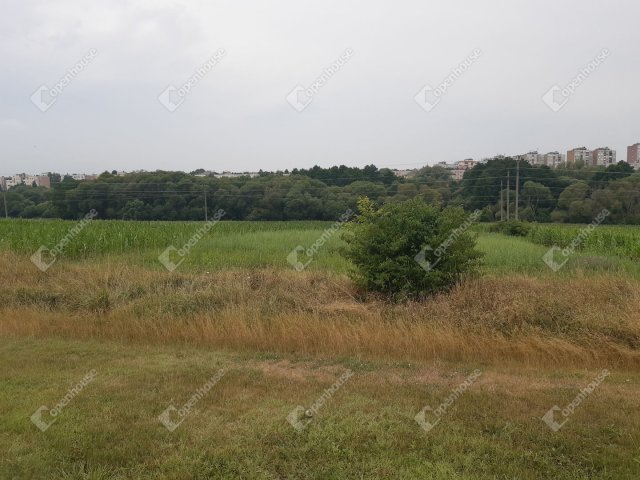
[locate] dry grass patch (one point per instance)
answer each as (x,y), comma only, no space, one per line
(591,320)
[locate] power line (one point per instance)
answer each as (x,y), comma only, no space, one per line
(294,195)
(206,218)
(501,204)
(508,190)
(517,187)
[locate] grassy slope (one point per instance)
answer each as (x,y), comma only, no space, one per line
(238,430)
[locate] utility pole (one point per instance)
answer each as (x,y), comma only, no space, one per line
(501,203)
(6,212)
(206,217)
(517,187)
(508,186)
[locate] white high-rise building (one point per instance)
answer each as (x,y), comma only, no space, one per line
(553,159)
(29,180)
(533,157)
(603,157)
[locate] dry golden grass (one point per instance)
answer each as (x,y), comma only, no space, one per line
(584,321)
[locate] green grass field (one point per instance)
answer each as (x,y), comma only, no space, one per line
(239,429)
(226,245)
(283,337)
(619,240)
(231,245)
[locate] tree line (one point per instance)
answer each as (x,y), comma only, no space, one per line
(544,194)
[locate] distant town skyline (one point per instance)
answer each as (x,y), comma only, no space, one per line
(537,157)
(598,157)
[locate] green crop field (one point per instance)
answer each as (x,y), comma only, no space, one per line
(243,244)
(225,245)
(619,240)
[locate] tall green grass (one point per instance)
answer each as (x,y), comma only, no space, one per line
(228,244)
(234,244)
(620,240)
(609,239)
(504,255)
(113,236)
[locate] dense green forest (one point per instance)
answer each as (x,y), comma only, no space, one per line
(558,195)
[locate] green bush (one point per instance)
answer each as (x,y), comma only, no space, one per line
(513,228)
(410,249)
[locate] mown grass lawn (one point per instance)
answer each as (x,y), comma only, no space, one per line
(365,430)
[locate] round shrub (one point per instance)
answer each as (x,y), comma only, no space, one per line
(410,249)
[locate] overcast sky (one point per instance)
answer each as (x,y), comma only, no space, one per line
(371,109)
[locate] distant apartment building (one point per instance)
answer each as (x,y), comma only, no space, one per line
(462,166)
(533,157)
(24,179)
(633,155)
(37,180)
(227,174)
(603,157)
(553,159)
(18,179)
(448,166)
(13,181)
(403,173)
(43,181)
(84,176)
(457,168)
(581,154)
